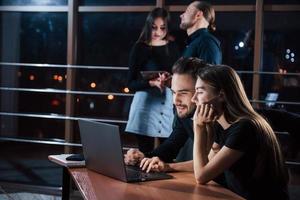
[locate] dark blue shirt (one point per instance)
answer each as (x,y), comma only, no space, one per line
(201,44)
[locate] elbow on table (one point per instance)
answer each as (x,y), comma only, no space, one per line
(201,179)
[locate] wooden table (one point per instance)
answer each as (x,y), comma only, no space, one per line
(94,186)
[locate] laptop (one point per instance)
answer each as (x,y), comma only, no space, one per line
(102,149)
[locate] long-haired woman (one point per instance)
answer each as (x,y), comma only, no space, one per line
(232,140)
(151,112)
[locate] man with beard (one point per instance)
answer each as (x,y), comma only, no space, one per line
(198,19)
(183,83)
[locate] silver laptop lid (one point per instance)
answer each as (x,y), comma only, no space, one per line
(102,148)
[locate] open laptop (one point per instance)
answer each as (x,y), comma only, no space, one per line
(102,149)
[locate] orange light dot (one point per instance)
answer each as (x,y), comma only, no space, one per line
(55,77)
(60,78)
(93,85)
(110,97)
(55,102)
(126,90)
(31,77)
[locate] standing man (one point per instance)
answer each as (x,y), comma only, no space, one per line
(198,19)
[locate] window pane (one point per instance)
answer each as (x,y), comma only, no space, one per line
(34,38)
(213,2)
(32,128)
(32,77)
(281,1)
(33,2)
(281,54)
(101,80)
(116,2)
(106,38)
(110,107)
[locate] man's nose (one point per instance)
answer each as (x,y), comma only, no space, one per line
(176,99)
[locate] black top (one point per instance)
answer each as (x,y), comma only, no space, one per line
(182,130)
(203,45)
(149,58)
(243,136)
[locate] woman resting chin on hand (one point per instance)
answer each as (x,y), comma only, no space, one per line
(231,139)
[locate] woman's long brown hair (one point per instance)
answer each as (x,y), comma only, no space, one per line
(236,107)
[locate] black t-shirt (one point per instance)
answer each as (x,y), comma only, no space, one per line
(243,136)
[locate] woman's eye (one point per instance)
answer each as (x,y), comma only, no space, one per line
(163,28)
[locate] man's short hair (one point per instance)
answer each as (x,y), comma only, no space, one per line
(189,66)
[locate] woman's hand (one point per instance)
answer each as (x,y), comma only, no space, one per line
(161,82)
(157,83)
(204,115)
(166,77)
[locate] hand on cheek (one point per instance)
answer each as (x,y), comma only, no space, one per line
(204,114)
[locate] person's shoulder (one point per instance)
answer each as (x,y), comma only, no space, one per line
(210,38)
(241,135)
(139,45)
(244,126)
(139,48)
(172,43)
(245,123)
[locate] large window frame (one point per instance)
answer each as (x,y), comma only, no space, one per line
(73,9)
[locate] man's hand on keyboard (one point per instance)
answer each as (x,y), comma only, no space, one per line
(133,157)
(153,164)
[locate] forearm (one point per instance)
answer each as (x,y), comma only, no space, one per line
(210,137)
(200,151)
(186,166)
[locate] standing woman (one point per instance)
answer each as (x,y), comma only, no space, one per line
(244,149)
(151,111)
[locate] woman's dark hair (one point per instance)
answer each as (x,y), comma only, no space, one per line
(236,107)
(208,13)
(146,33)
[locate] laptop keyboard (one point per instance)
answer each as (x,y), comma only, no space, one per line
(135,173)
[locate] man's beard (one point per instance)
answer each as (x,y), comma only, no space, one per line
(190,111)
(186,25)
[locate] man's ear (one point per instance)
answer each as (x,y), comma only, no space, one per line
(199,15)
